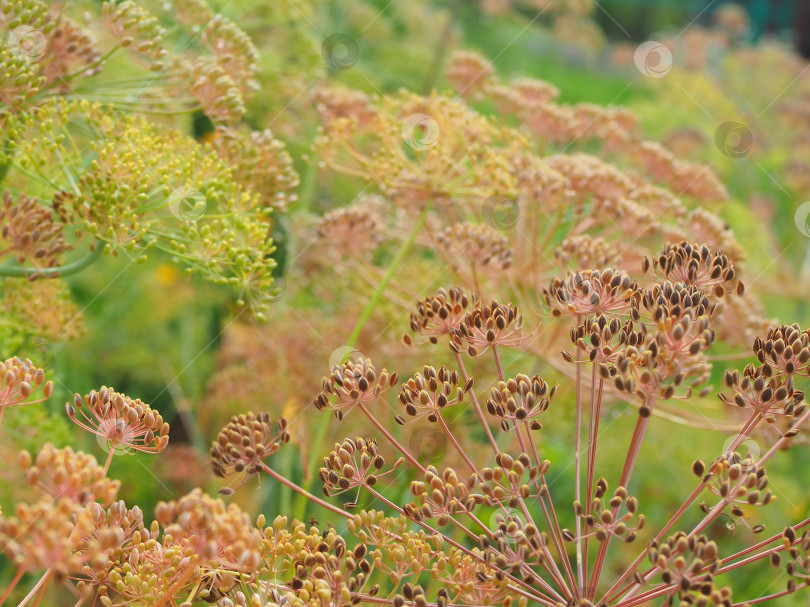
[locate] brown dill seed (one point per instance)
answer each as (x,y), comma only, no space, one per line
(245,442)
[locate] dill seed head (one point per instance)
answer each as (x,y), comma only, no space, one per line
(355,230)
(354,463)
(33,233)
(761,391)
(123,423)
(591,293)
(351,383)
(426,393)
(695,264)
(487,326)
(468,73)
(520,400)
(602,338)
(479,244)
(585,251)
(67,473)
(441,496)
(785,350)
(19,380)
(439,314)
(245,442)
(740,480)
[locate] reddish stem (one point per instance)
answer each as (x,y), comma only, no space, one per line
(770,597)
(593,432)
(476,404)
(578,473)
(42,584)
(304,492)
(12,585)
(406,454)
(627,472)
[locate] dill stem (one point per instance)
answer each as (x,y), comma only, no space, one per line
(66,270)
(629,463)
(593,433)
(320,433)
(476,404)
(578,465)
(389,437)
(12,585)
(303,492)
(42,584)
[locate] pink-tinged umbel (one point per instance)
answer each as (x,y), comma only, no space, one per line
(124,423)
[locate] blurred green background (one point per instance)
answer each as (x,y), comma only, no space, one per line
(164,337)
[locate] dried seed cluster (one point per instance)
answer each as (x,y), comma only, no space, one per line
(353,463)
(739,480)
(245,442)
(767,395)
(351,231)
(688,563)
(475,243)
(603,517)
(584,251)
(695,264)
(441,496)
(66,473)
(591,293)
(487,326)
(520,400)
(31,232)
(351,383)
(19,380)
(439,314)
(427,393)
(784,350)
(123,423)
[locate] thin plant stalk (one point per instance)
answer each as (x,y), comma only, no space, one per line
(365,315)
